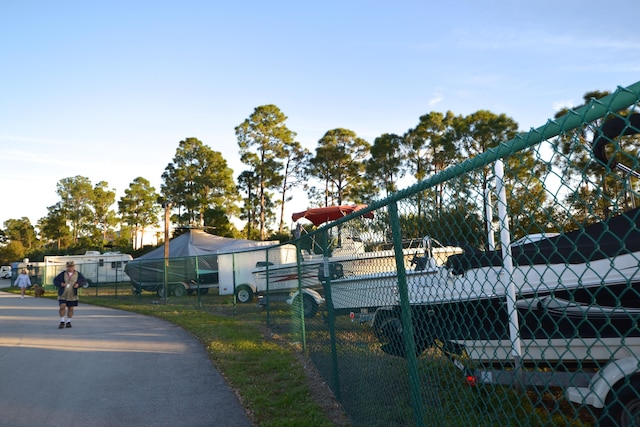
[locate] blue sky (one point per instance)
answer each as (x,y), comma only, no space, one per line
(107,89)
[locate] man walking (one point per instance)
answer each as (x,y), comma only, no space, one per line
(68,283)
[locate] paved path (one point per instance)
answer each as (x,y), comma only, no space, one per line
(112,368)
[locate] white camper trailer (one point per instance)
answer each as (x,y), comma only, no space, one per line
(96,267)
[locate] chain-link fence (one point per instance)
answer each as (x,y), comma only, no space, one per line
(504,290)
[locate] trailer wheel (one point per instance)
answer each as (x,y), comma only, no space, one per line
(244,294)
(386,327)
(392,343)
(179,290)
(160,291)
(309,305)
(623,405)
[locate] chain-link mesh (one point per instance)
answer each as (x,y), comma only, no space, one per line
(502,291)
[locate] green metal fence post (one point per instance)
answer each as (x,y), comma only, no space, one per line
(165,279)
(266,270)
(235,297)
(326,285)
(407,325)
(300,297)
(198,283)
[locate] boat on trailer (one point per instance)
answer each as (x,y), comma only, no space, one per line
(349,258)
(578,286)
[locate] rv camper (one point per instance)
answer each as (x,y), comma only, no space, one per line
(97,267)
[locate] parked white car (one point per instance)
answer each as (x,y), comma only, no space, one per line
(5,272)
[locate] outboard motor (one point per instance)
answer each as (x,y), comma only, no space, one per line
(420,262)
(335,272)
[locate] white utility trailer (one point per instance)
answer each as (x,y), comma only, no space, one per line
(235,270)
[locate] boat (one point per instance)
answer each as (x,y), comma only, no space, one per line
(359,278)
(348,259)
(372,290)
(583,285)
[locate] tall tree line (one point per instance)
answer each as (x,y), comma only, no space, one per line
(200,191)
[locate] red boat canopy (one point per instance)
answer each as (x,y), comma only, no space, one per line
(321,215)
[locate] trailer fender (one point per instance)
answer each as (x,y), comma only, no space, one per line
(602,383)
(317,298)
(311,301)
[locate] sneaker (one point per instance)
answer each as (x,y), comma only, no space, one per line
(61,325)
(68,324)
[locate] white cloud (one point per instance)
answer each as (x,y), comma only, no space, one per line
(436,99)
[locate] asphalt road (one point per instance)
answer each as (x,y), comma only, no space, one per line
(112,368)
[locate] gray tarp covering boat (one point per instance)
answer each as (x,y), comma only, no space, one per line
(192,257)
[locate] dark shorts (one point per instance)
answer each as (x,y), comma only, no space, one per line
(68,303)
